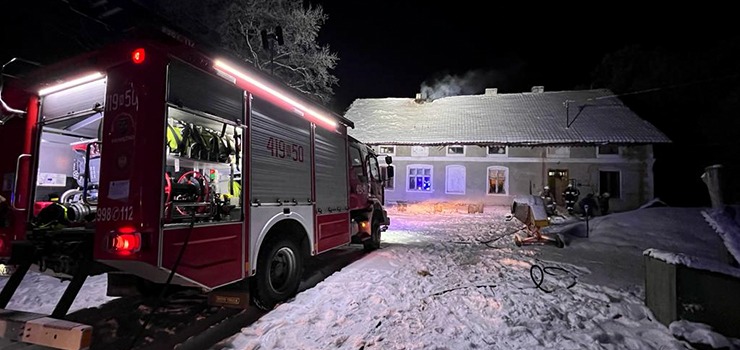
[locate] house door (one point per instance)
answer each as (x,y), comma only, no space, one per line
(557,179)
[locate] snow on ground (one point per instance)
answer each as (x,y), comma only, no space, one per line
(40,293)
(433,286)
(612,252)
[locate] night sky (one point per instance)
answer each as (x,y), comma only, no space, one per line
(388,49)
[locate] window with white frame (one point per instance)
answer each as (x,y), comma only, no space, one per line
(456,150)
(610,182)
(558,152)
(497,151)
(455,179)
(419,151)
(390,182)
(608,150)
(498,180)
(387,150)
(419,178)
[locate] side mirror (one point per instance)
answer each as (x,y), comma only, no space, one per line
(389,160)
(389,171)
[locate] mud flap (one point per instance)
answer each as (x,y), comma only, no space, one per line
(39,329)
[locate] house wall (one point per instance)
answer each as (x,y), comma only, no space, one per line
(527,173)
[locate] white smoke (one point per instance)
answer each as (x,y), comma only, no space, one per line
(469,83)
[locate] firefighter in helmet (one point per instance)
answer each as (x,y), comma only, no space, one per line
(549,200)
(571,194)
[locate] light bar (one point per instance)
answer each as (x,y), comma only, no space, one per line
(71,83)
(276,93)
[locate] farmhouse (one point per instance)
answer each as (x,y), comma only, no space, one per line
(489,148)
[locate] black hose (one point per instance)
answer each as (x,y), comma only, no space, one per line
(546,270)
(162,293)
(496,238)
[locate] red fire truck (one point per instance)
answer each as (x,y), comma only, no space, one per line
(154,159)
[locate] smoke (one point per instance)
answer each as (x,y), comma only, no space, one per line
(470,83)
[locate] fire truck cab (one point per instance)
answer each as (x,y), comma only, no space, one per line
(153,159)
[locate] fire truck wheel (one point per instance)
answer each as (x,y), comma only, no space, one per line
(374,241)
(278,273)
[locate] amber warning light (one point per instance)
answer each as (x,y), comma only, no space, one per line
(138,56)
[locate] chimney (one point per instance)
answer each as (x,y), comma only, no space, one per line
(418,98)
(538,89)
(491,91)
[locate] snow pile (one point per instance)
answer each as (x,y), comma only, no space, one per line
(432,286)
(699,333)
(40,293)
(727,224)
(693,262)
(615,243)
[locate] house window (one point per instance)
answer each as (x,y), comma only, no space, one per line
(496,151)
(387,150)
(455,179)
(390,183)
(419,178)
(498,180)
(419,151)
(456,150)
(558,152)
(608,150)
(611,182)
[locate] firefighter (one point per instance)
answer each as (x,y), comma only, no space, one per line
(547,196)
(588,205)
(571,197)
(604,203)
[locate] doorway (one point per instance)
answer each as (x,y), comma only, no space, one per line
(558,180)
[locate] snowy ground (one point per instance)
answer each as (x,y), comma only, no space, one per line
(432,286)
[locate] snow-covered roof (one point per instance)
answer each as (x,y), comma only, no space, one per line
(519,118)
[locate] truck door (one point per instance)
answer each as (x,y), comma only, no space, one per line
(358,179)
(376,183)
(15,139)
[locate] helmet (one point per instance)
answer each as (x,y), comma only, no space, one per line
(547,188)
(605,195)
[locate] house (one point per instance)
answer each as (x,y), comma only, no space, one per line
(491,147)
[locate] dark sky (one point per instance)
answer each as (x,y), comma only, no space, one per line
(390,49)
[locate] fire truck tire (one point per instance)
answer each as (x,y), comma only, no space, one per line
(374,242)
(278,273)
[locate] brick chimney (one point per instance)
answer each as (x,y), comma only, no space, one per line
(538,89)
(491,91)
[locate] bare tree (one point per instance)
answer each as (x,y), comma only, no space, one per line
(301,62)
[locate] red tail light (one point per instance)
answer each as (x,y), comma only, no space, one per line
(126,241)
(138,56)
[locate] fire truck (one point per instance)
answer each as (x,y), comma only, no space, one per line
(157,162)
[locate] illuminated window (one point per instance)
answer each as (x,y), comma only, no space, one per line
(456,150)
(419,178)
(496,151)
(387,150)
(498,180)
(455,179)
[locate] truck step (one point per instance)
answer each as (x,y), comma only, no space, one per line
(42,330)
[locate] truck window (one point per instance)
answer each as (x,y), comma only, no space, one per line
(374,170)
(355,158)
(203,169)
